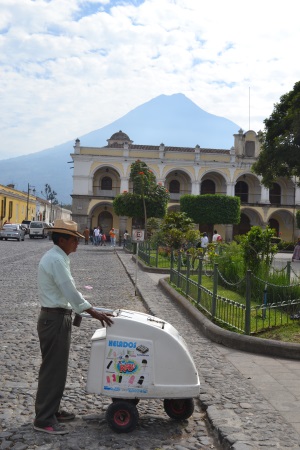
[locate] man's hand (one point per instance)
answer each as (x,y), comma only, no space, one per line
(103,317)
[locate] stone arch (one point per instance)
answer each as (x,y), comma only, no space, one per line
(106,182)
(274,224)
(251,194)
(208,186)
(218,178)
(249,218)
(105,221)
(241,190)
(243,227)
(286,223)
(174,187)
(183,181)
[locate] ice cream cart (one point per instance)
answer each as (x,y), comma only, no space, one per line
(141,357)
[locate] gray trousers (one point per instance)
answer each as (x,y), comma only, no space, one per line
(54,330)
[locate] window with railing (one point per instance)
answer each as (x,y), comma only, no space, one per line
(106,184)
(242,191)
(275,194)
(208,187)
(10,210)
(174,187)
(3,208)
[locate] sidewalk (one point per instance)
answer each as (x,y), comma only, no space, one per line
(252,401)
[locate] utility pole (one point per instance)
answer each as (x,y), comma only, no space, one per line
(28,192)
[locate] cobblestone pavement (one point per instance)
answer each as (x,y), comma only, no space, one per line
(20,359)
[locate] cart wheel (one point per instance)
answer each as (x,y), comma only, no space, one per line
(134,401)
(122,416)
(179,409)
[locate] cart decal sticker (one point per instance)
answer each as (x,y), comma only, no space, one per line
(142,349)
(128,366)
(140,391)
(122,344)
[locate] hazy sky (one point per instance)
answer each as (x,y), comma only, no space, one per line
(69,67)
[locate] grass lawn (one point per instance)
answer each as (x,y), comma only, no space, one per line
(284,333)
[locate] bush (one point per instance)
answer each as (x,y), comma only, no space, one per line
(287,246)
(231,266)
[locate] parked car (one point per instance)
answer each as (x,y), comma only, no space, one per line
(12,231)
(38,229)
(26,224)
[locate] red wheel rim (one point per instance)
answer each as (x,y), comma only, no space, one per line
(178,406)
(122,418)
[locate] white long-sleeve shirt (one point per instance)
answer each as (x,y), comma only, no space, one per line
(56,285)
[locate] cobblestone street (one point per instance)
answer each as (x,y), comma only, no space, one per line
(20,360)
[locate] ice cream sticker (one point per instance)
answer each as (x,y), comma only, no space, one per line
(128,366)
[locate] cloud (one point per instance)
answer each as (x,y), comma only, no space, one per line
(71,66)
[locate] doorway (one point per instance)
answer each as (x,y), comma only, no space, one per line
(105,221)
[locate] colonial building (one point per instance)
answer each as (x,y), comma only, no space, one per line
(48,212)
(16,206)
(100,173)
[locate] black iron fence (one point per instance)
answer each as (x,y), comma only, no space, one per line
(263,305)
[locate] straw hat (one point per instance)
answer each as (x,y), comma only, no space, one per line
(65,227)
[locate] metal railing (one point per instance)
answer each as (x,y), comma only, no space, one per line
(249,317)
(155,256)
(264,305)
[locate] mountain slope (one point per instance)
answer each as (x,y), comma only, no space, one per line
(174,120)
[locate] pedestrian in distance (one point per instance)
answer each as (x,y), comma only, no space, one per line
(103,239)
(125,237)
(216,237)
(204,241)
(86,235)
(58,296)
(216,240)
(96,236)
(296,254)
(112,235)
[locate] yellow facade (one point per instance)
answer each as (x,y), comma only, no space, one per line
(15,204)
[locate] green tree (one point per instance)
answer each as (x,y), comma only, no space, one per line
(257,248)
(211,209)
(280,141)
(175,228)
(50,194)
(148,198)
(153,225)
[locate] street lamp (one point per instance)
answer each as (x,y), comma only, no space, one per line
(29,188)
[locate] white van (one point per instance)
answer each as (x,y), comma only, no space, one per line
(38,229)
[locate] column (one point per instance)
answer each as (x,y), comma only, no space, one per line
(196,187)
(264,195)
(230,188)
(124,185)
(228,232)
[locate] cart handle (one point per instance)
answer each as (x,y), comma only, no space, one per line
(104,310)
